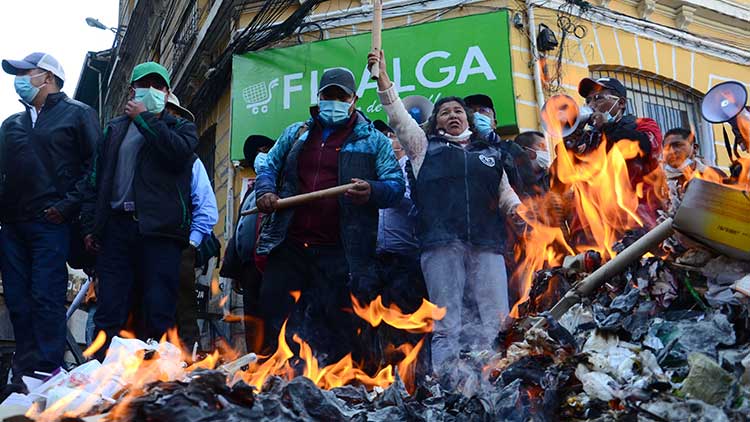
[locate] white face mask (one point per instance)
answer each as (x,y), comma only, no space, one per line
(542,159)
(669,169)
(462,138)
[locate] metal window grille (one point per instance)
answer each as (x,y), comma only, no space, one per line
(184,38)
(671,104)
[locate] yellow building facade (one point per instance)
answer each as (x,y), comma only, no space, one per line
(667,53)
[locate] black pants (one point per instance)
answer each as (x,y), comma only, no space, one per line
(402,284)
(402,280)
(129,262)
(321,275)
(187,305)
(250,280)
(35,280)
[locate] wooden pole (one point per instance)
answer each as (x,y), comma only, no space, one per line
(615,266)
(377,28)
(297,200)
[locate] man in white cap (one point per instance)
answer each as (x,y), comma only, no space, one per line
(45,152)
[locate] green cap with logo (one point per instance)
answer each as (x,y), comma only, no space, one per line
(148,68)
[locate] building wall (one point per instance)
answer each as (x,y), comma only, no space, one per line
(608,43)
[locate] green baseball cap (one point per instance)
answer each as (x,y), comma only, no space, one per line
(148,68)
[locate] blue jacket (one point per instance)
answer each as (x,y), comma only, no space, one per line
(367,155)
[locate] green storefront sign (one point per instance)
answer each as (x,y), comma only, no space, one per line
(273,88)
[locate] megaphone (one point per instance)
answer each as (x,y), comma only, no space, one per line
(724,101)
(561,115)
(419,107)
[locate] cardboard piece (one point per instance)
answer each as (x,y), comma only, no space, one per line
(716,216)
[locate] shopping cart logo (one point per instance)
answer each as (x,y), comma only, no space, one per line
(258,96)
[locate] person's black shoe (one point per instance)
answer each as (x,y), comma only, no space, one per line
(13,387)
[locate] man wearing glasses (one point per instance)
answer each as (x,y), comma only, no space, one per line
(608,98)
(138,215)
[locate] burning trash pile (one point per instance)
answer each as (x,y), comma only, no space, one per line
(621,317)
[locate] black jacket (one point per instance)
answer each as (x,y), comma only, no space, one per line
(162,176)
(457,197)
(45,166)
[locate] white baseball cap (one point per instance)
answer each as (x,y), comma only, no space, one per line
(34,60)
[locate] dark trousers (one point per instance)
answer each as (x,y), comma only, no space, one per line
(187,306)
(321,275)
(250,281)
(403,283)
(129,262)
(35,280)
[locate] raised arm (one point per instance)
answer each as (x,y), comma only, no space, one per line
(410,135)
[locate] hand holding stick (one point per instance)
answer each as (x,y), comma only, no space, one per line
(377,28)
(304,198)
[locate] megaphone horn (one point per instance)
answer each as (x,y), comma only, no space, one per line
(419,107)
(723,102)
(561,115)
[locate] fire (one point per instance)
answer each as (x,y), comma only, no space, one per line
(600,197)
(338,374)
(97,344)
(421,321)
(215,288)
(296,295)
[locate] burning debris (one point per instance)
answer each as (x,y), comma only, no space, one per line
(611,326)
(662,338)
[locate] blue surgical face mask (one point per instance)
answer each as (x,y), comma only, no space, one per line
(333,112)
(482,123)
(25,89)
(610,117)
(260,162)
(152,98)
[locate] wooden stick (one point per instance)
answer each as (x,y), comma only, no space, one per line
(296,200)
(377,29)
(615,266)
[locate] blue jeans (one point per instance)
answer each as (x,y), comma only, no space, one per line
(450,269)
(136,272)
(35,280)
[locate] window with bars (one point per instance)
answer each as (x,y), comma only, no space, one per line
(671,104)
(184,37)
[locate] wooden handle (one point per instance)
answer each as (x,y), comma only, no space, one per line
(296,200)
(377,29)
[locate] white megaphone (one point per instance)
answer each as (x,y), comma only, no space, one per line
(724,102)
(561,115)
(419,107)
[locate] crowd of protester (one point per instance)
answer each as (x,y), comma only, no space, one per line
(433,212)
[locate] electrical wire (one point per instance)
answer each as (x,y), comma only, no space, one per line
(260,32)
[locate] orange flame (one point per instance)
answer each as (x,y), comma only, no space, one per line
(600,197)
(421,321)
(97,344)
(295,294)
